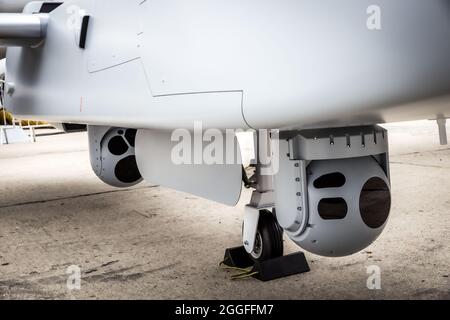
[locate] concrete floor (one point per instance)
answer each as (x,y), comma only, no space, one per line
(149,242)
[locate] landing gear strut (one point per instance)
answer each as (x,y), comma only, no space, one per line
(262,235)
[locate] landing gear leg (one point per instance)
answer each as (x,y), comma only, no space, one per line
(262,235)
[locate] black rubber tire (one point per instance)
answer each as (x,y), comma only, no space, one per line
(271,235)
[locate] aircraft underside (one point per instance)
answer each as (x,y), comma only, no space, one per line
(312,84)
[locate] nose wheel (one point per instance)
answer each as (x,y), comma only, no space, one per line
(269,238)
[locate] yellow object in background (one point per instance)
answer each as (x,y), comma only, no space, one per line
(10,119)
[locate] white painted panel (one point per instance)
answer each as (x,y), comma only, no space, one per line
(217,182)
(112,34)
(290,63)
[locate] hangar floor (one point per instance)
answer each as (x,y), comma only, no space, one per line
(149,242)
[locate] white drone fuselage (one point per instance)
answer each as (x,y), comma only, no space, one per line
(233,64)
(326,70)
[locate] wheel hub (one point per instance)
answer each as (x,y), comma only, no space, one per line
(257,251)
